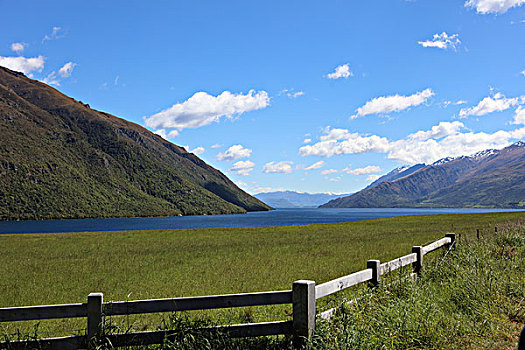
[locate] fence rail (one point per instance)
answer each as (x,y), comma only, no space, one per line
(303,298)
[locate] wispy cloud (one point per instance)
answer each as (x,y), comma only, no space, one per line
(67,69)
(242,167)
(56,33)
(291,93)
(370,169)
(316,165)
(442,41)
(342,71)
(18,47)
(282,167)
(198,150)
(496,103)
(395,103)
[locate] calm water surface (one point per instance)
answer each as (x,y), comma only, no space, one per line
(280,217)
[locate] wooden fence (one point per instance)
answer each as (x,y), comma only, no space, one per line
(302,296)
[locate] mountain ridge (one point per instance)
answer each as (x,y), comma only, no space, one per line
(293,199)
(491,178)
(61,159)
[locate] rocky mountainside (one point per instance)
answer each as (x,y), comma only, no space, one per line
(292,199)
(61,159)
(397,173)
(492,178)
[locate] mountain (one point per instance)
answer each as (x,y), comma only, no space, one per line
(61,159)
(397,173)
(492,178)
(291,199)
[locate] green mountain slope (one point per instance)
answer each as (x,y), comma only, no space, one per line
(61,159)
(489,179)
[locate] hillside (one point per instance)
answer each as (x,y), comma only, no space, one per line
(397,174)
(292,199)
(61,159)
(492,178)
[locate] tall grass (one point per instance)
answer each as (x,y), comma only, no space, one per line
(444,303)
(473,299)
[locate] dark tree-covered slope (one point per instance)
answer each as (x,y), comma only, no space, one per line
(61,159)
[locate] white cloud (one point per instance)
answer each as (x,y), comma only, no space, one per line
(216,146)
(496,103)
(307,140)
(425,146)
(342,71)
(51,79)
(198,150)
(241,184)
(395,103)
(173,133)
(282,167)
(57,33)
(242,167)
(340,141)
(316,165)
(235,152)
(437,131)
(519,117)
(67,70)
(493,6)
(261,189)
(442,41)
(329,171)
(291,93)
(522,72)
(162,133)
(18,47)
(202,109)
(370,169)
(372,177)
(23,64)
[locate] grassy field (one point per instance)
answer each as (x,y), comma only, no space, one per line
(65,268)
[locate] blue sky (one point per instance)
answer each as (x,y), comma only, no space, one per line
(297,95)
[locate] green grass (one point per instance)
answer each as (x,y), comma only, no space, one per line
(65,268)
(473,299)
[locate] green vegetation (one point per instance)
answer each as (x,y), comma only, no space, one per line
(61,159)
(65,268)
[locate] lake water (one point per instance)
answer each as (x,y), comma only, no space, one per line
(279,217)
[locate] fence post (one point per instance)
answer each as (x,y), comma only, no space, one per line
(303,300)
(375,265)
(418,264)
(94,316)
(452,237)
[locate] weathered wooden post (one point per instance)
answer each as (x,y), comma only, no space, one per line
(303,300)
(477,233)
(452,237)
(375,265)
(94,316)
(418,264)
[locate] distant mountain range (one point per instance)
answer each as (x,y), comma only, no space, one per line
(291,199)
(491,178)
(61,159)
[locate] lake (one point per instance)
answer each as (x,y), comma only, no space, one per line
(279,217)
